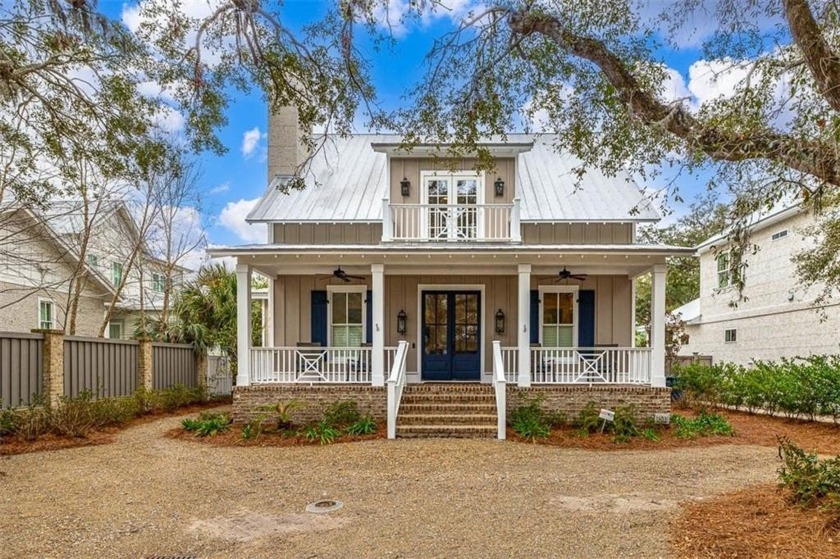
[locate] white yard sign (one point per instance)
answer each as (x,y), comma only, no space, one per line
(607,415)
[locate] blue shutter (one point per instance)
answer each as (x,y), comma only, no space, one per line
(586,318)
(535,316)
(319,317)
(369,317)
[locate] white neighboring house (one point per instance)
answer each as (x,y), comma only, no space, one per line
(778,318)
(41,251)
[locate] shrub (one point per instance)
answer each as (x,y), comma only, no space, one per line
(650,434)
(623,427)
(342,415)
(365,426)
(174,397)
(811,481)
(587,420)
(32,422)
(321,431)
(252,429)
(208,424)
(283,413)
(9,422)
(530,421)
(704,425)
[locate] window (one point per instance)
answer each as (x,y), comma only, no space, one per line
(158,283)
(730,335)
(347,311)
(559,317)
(115,329)
(451,197)
(780,234)
(46,314)
(92,260)
(723,270)
(116,273)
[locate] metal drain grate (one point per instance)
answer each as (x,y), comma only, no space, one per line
(324,505)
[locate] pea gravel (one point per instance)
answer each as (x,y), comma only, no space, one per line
(146,495)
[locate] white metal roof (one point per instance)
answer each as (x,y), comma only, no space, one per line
(764,217)
(688,312)
(347,181)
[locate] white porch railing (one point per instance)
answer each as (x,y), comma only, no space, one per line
(440,222)
(500,386)
(390,353)
(396,384)
(510,362)
(311,364)
(595,365)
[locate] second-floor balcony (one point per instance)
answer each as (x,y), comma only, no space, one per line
(451,222)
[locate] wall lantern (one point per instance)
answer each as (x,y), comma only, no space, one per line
(500,186)
(500,322)
(401,322)
(405,186)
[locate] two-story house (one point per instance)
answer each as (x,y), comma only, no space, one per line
(392,260)
(775,315)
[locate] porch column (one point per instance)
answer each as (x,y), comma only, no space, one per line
(268,317)
(243,324)
(657,325)
(523,325)
(378,347)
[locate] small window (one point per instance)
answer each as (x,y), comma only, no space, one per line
(724,270)
(46,315)
(92,260)
(780,234)
(158,283)
(116,273)
(115,330)
(731,335)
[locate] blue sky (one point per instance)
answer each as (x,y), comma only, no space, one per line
(232,182)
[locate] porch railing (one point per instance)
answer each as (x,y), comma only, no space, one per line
(510,362)
(500,387)
(441,222)
(396,384)
(311,364)
(390,353)
(590,365)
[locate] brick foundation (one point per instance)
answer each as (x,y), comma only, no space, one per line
(372,400)
(570,400)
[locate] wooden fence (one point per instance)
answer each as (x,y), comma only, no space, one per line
(173,364)
(21,368)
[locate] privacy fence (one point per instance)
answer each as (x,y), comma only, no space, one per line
(49,364)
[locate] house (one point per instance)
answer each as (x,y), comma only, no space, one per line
(45,249)
(777,316)
(400,267)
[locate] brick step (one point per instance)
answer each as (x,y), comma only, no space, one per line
(433,397)
(446,431)
(447,407)
(455,388)
(446,419)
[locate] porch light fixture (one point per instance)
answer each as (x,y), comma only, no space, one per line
(500,322)
(401,322)
(405,187)
(500,186)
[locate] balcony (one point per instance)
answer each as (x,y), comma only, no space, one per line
(451,223)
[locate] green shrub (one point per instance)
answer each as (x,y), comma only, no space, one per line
(811,481)
(32,422)
(650,434)
(252,430)
(365,426)
(174,397)
(531,428)
(623,427)
(73,417)
(587,420)
(704,425)
(321,431)
(282,412)
(9,422)
(208,424)
(342,415)
(530,421)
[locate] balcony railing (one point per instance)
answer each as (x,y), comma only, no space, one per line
(451,223)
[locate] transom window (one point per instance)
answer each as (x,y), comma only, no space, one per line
(46,314)
(347,316)
(559,317)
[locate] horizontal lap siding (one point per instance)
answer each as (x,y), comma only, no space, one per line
(106,368)
(21,372)
(173,364)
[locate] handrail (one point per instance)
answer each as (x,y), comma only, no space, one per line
(396,384)
(590,365)
(500,385)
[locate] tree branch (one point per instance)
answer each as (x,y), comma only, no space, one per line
(822,62)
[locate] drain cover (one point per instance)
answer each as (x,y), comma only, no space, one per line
(324,505)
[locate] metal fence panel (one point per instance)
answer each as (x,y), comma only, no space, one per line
(219,381)
(173,364)
(21,369)
(107,368)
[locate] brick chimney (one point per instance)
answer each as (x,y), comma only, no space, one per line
(285,146)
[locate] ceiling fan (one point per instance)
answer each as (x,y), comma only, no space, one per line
(565,275)
(338,273)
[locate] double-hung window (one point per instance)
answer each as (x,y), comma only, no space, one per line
(46,314)
(116,273)
(724,271)
(559,317)
(347,316)
(158,282)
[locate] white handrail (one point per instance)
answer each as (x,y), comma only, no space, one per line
(396,384)
(590,365)
(500,385)
(442,222)
(311,364)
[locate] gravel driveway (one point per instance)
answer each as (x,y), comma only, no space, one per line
(147,495)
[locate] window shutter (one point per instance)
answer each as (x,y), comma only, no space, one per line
(535,316)
(369,317)
(319,317)
(586,318)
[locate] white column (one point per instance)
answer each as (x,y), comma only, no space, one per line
(243,324)
(387,234)
(657,325)
(268,316)
(523,325)
(515,226)
(378,329)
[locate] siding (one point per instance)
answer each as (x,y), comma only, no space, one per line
(322,234)
(577,233)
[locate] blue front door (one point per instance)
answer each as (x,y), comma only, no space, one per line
(451,335)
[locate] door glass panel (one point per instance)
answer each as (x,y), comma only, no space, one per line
(467,217)
(438,216)
(466,323)
(436,321)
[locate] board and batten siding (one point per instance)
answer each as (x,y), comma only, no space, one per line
(412,167)
(577,233)
(613,304)
(327,234)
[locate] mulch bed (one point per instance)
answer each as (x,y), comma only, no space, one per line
(12,445)
(753,523)
(233,437)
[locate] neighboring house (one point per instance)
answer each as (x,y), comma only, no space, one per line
(385,247)
(41,253)
(777,318)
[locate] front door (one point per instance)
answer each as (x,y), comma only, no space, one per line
(451,335)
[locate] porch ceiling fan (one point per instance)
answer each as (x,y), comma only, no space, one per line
(565,275)
(338,273)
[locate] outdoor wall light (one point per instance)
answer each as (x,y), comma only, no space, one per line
(500,322)
(405,186)
(500,186)
(401,322)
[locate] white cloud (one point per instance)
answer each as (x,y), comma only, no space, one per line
(221,189)
(674,86)
(250,141)
(395,15)
(712,79)
(233,216)
(169,119)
